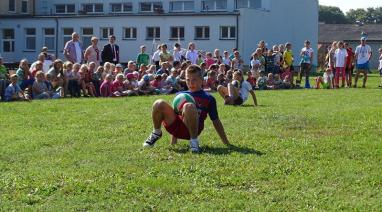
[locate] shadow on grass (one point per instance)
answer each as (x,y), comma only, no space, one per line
(222,150)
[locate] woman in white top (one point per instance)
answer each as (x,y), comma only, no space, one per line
(192,54)
(340,62)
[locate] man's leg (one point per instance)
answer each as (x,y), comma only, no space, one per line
(356,78)
(162,111)
(191,120)
(365,78)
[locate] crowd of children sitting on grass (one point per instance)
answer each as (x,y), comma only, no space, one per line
(269,69)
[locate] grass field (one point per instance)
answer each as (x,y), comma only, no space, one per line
(299,150)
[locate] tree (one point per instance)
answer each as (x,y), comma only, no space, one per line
(332,15)
(368,16)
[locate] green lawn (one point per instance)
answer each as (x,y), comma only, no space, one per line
(299,150)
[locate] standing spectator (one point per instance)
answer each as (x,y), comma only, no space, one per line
(237,62)
(49,58)
(269,62)
(349,65)
(362,54)
(217,57)
(192,54)
(340,55)
(306,63)
(165,56)
(92,53)
(110,52)
(277,59)
(156,57)
(73,50)
(226,60)
(143,58)
(177,53)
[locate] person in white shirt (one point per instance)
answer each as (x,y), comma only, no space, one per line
(306,63)
(340,56)
(178,53)
(362,54)
(237,92)
(73,50)
(156,56)
(192,54)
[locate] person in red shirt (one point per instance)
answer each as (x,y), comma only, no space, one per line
(349,65)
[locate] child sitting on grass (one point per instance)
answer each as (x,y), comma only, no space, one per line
(270,82)
(262,81)
(210,83)
(39,88)
(13,92)
(326,80)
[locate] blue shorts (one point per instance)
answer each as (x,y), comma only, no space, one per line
(364,66)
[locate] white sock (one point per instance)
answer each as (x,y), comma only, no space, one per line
(194,140)
(157,131)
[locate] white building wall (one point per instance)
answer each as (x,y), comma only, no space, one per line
(284,21)
(278,22)
(128,48)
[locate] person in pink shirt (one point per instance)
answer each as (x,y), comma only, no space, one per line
(340,56)
(209,59)
(119,88)
(106,89)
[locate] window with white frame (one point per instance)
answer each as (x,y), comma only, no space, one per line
(24,6)
(67,34)
(106,32)
(30,39)
(49,38)
(202,33)
(65,9)
(130,33)
(182,6)
(12,5)
(121,7)
(177,33)
(92,8)
(87,34)
(151,7)
(153,33)
(254,4)
(214,5)
(227,32)
(8,40)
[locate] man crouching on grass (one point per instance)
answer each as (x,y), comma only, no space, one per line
(190,123)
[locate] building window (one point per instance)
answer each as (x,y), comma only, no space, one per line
(202,33)
(151,7)
(65,9)
(8,40)
(214,5)
(153,33)
(121,7)
(87,34)
(227,32)
(254,4)
(24,6)
(30,39)
(130,33)
(12,5)
(182,6)
(67,34)
(177,33)
(49,38)
(92,8)
(106,32)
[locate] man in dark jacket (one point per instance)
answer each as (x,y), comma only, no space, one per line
(110,52)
